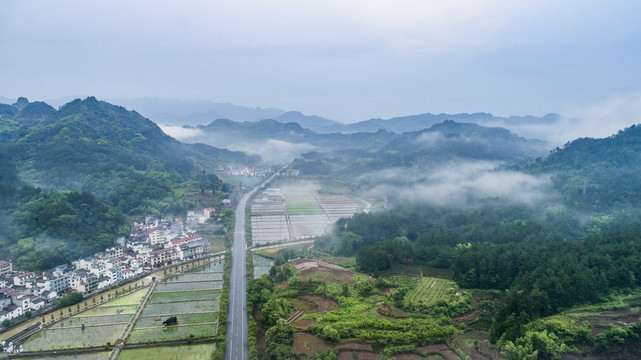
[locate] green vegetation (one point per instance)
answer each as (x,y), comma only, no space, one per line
(303,206)
(186,352)
(69,338)
(71,299)
(165,333)
(97,161)
(427,292)
(43,229)
(221,336)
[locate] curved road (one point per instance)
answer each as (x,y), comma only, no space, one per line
(236,344)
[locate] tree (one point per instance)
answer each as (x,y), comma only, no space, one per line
(6,323)
(28,314)
(279,339)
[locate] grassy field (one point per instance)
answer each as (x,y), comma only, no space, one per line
(188,352)
(428,291)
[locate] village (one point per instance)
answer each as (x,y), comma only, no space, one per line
(153,243)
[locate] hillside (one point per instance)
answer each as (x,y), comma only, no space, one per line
(597,174)
(279,142)
(116,154)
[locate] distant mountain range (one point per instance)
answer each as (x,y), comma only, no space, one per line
(196,112)
(441,143)
(203,112)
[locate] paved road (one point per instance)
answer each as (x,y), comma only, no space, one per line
(236,345)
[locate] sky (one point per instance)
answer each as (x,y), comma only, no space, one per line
(344,60)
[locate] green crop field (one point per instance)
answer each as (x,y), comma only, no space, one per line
(131,299)
(171,333)
(183,319)
(185,307)
(110,310)
(199,276)
(173,296)
(194,285)
(303,206)
(54,339)
(188,352)
(88,356)
(91,320)
(428,291)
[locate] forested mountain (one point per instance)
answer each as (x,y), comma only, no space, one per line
(68,175)
(223,133)
(116,154)
(441,143)
(579,247)
(311,122)
(597,174)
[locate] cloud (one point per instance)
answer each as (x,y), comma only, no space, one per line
(274,151)
(463,184)
(182,133)
(603,118)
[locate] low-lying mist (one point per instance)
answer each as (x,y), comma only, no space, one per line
(596,120)
(270,150)
(461,184)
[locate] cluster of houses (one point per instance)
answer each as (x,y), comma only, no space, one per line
(152,244)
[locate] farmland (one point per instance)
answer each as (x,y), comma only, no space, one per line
(428,291)
(296,213)
(187,352)
(261,265)
(193,297)
(103,324)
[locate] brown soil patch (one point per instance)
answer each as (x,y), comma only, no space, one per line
(309,344)
(407,357)
(304,304)
(439,349)
(464,319)
(322,304)
(321,270)
(304,324)
(483,352)
(355,346)
(348,355)
(612,317)
(392,311)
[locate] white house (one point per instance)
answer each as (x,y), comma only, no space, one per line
(11,312)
